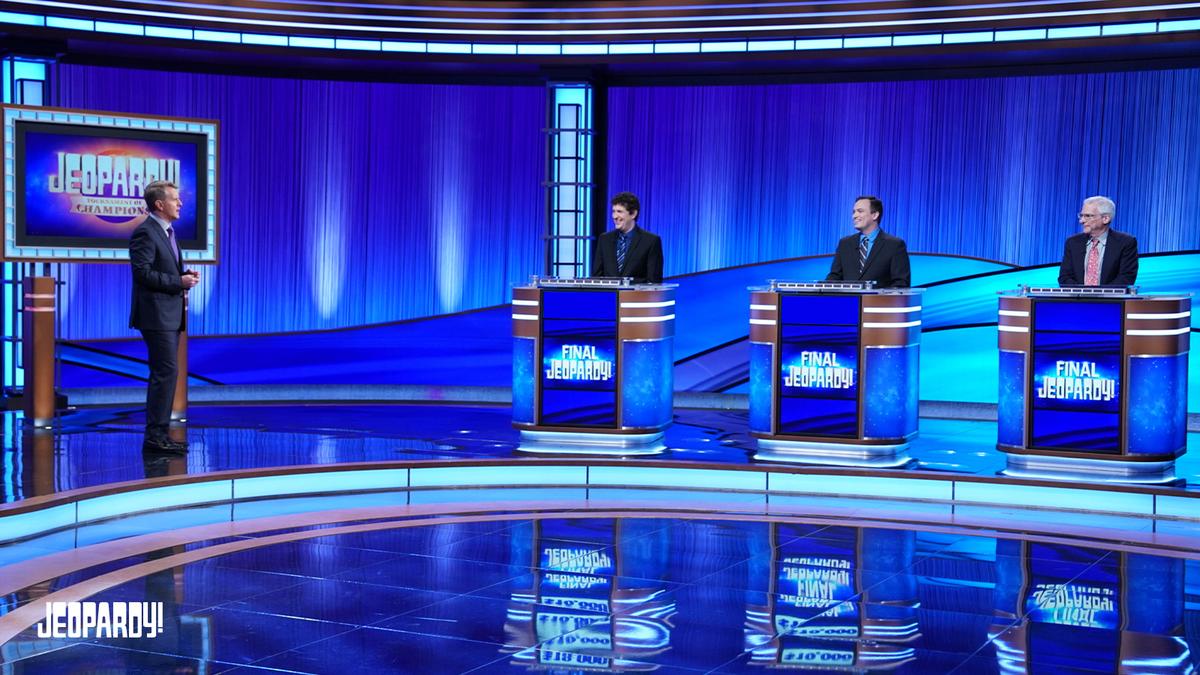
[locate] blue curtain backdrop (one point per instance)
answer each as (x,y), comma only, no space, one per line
(340,203)
(994,167)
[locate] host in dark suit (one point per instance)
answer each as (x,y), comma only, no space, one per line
(157,310)
(871,254)
(1099,256)
(628,250)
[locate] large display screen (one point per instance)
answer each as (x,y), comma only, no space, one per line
(817,388)
(579,359)
(1076,384)
(75,182)
(816,581)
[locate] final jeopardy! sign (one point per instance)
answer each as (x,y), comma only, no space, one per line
(818,360)
(1076,383)
(579,358)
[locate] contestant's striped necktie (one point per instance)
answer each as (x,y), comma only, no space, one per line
(622,249)
(862,254)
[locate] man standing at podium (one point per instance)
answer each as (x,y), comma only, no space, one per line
(871,254)
(628,250)
(159,284)
(1099,256)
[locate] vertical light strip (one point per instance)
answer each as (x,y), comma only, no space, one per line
(569,184)
(24,83)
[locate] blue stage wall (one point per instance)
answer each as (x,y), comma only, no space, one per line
(341,203)
(994,168)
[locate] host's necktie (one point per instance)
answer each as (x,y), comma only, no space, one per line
(171,238)
(1092,276)
(622,249)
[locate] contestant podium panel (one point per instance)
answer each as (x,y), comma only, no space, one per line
(593,365)
(1093,383)
(834,373)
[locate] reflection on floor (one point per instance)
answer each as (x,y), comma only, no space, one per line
(650,594)
(104,446)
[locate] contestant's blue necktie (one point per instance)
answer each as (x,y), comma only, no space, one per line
(622,249)
(862,255)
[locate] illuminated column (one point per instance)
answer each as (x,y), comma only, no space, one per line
(24,82)
(569,178)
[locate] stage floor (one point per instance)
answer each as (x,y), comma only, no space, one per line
(97,446)
(543,580)
(646,594)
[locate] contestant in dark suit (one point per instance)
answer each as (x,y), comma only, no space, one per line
(1099,256)
(628,250)
(159,284)
(871,254)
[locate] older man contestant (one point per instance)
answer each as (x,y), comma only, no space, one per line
(1099,256)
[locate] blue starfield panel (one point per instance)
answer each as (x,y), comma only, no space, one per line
(817,387)
(1010,413)
(761,377)
(579,359)
(524,379)
(647,394)
(1076,382)
(1157,415)
(890,396)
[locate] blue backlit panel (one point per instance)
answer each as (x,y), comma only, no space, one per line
(1157,415)
(1076,385)
(647,394)
(761,372)
(1010,412)
(817,388)
(524,379)
(890,396)
(579,359)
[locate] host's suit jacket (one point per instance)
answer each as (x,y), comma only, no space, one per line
(157,287)
(1119,267)
(643,260)
(887,264)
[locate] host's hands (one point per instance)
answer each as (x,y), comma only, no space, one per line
(190,278)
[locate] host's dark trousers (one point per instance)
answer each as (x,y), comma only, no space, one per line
(163,349)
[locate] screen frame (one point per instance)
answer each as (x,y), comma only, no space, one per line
(617,359)
(777,384)
(203,133)
(1031,387)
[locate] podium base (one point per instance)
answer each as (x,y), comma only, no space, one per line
(1083,470)
(584,443)
(834,454)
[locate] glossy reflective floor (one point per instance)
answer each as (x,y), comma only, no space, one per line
(635,594)
(98,446)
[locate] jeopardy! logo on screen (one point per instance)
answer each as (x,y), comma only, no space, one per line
(82,186)
(109,186)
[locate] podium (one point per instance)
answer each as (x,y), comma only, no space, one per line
(834,372)
(593,365)
(1093,383)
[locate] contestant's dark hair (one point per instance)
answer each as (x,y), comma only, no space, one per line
(155,191)
(627,200)
(876,205)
